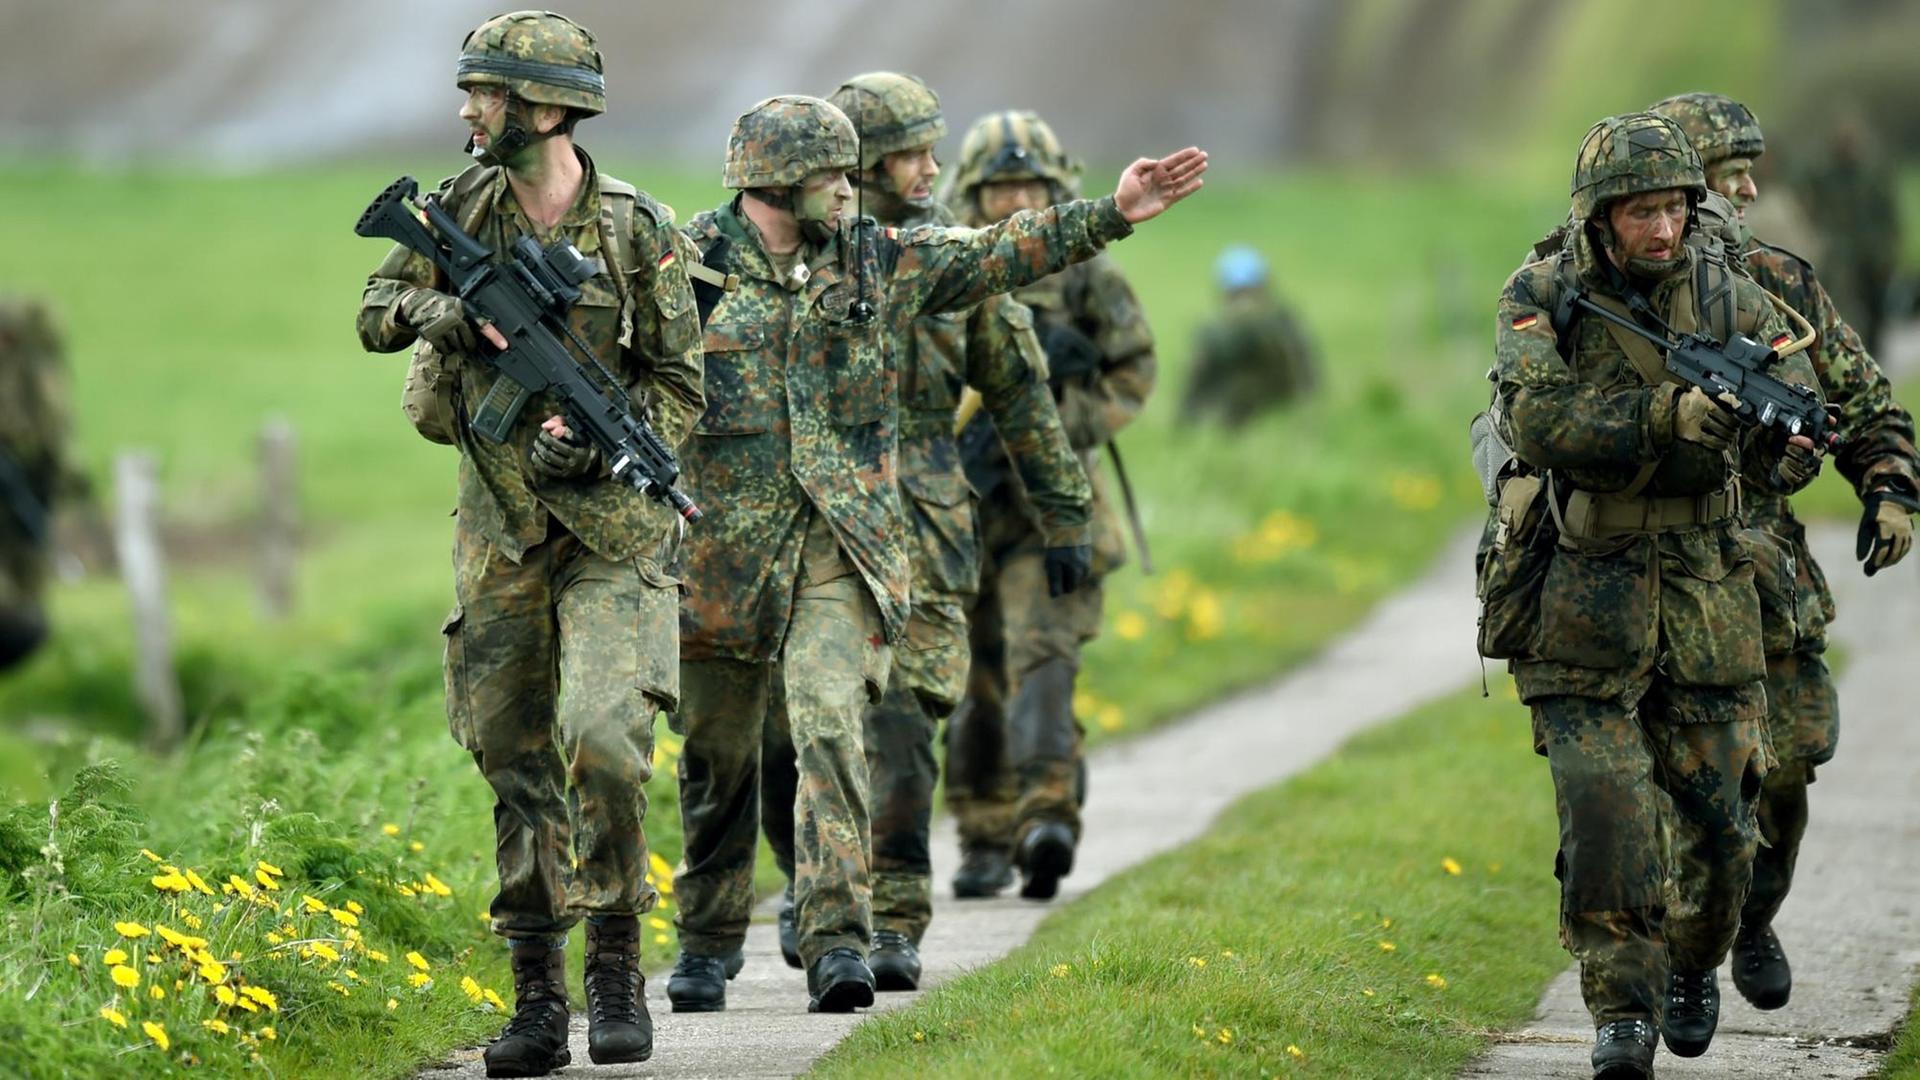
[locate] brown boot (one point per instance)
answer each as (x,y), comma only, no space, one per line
(619,1030)
(534,1042)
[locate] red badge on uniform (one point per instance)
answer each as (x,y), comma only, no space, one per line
(1525,322)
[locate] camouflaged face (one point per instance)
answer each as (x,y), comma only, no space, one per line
(1011,145)
(541,57)
(783,140)
(1630,154)
(1718,126)
(892,112)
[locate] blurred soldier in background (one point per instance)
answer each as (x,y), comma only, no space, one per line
(565,612)
(800,576)
(1644,660)
(1877,457)
(1015,776)
(34,473)
(1848,193)
(1253,355)
(992,350)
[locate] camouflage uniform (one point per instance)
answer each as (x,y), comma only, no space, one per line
(565,611)
(34,418)
(1013,757)
(1645,671)
(800,575)
(1252,356)
(1852,198)
(1877,452)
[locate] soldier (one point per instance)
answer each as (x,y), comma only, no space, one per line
(1646,662)
(1850,195)
(1015,777)
(1878,458)
(565,611)
(34,418)
(799,573)
(993,350)
(1253,355)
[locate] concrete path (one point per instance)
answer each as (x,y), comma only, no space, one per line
(1851,926)
(1149,795)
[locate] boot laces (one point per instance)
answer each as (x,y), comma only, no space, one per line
(610,987)
(1690,991)
(532,1012)
(1626,1030)
(1763,948)
(891,939)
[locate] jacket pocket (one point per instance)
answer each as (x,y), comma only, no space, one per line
(1774,572)
(1594,604)
(656,634)
(1710,626)
(860,388)
(940,512)
(459,705)
(1516,551)
(744,389)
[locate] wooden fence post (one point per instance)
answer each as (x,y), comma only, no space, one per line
(137,543)
(279,518)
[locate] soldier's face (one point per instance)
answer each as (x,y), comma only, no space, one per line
(1649,225)
(823,197)
(1001,199)
(485,113)
(1734,179)
(911,173)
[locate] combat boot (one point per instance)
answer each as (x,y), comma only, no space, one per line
(839,982)
(984,871)
(894,961)
(534,1042)
(1692,1012)
(619,1031)
(1760,970)
(698,983)
(789,930)
(1046,856)
(1623,1050)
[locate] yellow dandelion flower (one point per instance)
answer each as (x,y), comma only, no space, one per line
(659,939)
(1110,717)
(352,975)
(417,960)
(376,956)
(1170,599)
(1436,981)
(416,847)
(262,995)
(125,976)
(179,985)
(179,940)
(174,882)
(1296,1053)
(920,1036)
(1225,1037)
(113,1016)
(1084,702)
(439,887)
(1386,946)
(218,1027)
(74,958)
(240,885)
(354,940)
(1366,991)
(493,999)
(268,1033)
(266,880)
(193,921)
(157,992)
(266,867)
(151,857)
(419,979)
(157,1033)
(354,906)
(274,939)
(662,871)
(1205,618)
(344,917)
(1061,971)
(313,905)
(1449,865)
(1197,961)
(1130,626)
(390,829)
(211,970)
(404,890)
(471,989)
(1226,954)
(656,922)
(1199,1032)
(248,1004)
(326,952)
(226,996)
(1386,924)
(199,883)
(392,1004)
(340,988)
(113,957)
(153,958)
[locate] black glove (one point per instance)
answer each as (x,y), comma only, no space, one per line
(1068,568)
(1796,468)
(563,459)
(1886,530)
(441,319)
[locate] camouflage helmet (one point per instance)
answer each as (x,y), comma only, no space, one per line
(1014,145)
(1718,126)
(1630,154)
(540,57)
(783,140)
(893,112)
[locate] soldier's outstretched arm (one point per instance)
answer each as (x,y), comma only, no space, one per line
(946,269)
(1557,420)
(1004,360)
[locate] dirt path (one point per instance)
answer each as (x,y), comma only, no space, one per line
(1148,795)
(1851,927)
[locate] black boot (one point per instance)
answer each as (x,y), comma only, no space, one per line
(1760,970)
(698,983)
(894,961)
(839,982)
(789,931)
(619,1031)
(1692,1013)
(984,871)
(534,1042)
(1623,1050)
(1046,856)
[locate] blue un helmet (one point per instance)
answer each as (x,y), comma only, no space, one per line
(1240,267)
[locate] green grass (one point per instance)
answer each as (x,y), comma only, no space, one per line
(1268,935)
(1904,1062)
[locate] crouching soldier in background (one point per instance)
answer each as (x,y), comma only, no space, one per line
(34,415)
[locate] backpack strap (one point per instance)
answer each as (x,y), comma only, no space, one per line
(1565,311)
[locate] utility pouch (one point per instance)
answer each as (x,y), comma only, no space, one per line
(1514,568)
(427,397)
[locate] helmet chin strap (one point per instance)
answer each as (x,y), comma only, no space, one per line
(513,141)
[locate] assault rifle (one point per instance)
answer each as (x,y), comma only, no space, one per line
(526,296)
(1738,368)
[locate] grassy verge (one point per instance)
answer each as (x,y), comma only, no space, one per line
(1904,1062)
(1359,920)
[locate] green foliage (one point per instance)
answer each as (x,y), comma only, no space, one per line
(1359,920)
(1904,1062)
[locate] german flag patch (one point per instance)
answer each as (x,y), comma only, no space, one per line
(892,233)
(1781,340)
(1525,322)
(666,260)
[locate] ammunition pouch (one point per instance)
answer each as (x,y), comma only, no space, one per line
(1512,566)
(427,396)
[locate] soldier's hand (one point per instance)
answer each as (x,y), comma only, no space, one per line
(1886,533)
(1068,568)
(1698,418)
(1798,466)
(1149,186)
(441,319)
(562,454)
